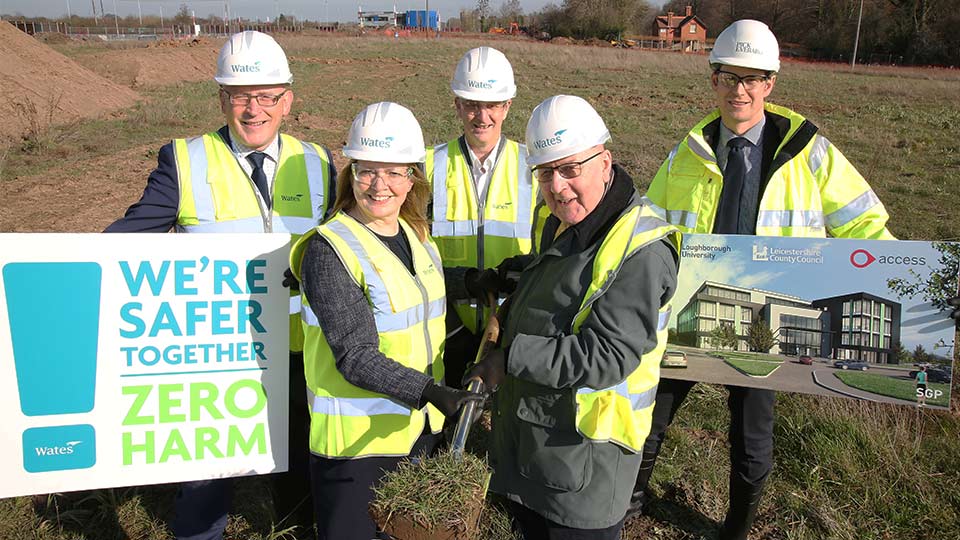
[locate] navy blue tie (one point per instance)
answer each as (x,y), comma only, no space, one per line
(728,214)
(259,177)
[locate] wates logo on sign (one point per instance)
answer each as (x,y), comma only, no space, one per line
(862,258)
(59,448)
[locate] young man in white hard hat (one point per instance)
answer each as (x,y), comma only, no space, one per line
(483,202)
(579,357)
(751,167)
(266,182)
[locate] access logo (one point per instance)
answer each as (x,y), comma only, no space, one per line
(862,258)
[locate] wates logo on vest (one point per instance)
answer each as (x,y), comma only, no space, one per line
(557,138)
(745,47)
(376,143)
(291,198)
(59,448)
(482,85)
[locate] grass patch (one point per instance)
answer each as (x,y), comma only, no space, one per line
(437,493)
(759,357)
(753,368)
(890,387)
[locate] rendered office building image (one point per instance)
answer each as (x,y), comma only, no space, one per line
(864,327)
(835,327)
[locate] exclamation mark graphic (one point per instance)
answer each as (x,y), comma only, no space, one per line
(54,314)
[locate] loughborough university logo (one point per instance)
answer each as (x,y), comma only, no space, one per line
(54,314)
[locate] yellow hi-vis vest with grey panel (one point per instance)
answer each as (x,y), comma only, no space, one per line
(347,421)
(480,232)
(217,196)
(622,414)
(813,190)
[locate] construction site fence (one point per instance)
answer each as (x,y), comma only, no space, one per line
(170,31)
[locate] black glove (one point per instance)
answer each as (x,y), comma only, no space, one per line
(491,369)
(481,284)
(290,280)
(955,314)
(448,400)
(509,271)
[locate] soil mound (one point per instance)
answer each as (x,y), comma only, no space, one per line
(45,87)
(162,63)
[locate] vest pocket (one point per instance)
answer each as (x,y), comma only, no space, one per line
(549,450)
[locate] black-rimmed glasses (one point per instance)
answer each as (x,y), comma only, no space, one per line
(567,170)
(264,100)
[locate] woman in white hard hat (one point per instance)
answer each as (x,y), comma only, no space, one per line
(581,344)
(374,308)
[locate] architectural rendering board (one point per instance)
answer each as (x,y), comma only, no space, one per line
(862,319)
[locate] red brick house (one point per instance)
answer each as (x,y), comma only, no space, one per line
(687,30)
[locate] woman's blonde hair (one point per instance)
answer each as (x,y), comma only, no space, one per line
(413,210)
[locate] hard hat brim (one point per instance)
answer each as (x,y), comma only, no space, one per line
(486,96)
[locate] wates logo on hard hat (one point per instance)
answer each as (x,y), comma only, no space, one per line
(482,85)
(246,68)
(746,47)
(557,138)
(376,143)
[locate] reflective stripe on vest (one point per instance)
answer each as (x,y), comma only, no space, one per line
(680,218)
(355,406)
(622,413)
(409,311)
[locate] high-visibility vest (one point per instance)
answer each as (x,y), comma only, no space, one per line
(217,196)
(622,414)
(480,233)
(813,190)
(347,421)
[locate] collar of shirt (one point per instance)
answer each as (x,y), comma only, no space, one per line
(483,170)
(753,135)
(272,151)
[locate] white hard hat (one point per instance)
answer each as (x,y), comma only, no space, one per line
(385,132)
(747,44)
(561,126)
(252,58)
(484,74)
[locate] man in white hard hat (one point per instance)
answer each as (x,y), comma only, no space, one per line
(266,182)
(484,199)
(751,167)
(579,357)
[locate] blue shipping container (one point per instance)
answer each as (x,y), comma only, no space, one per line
(421,18)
